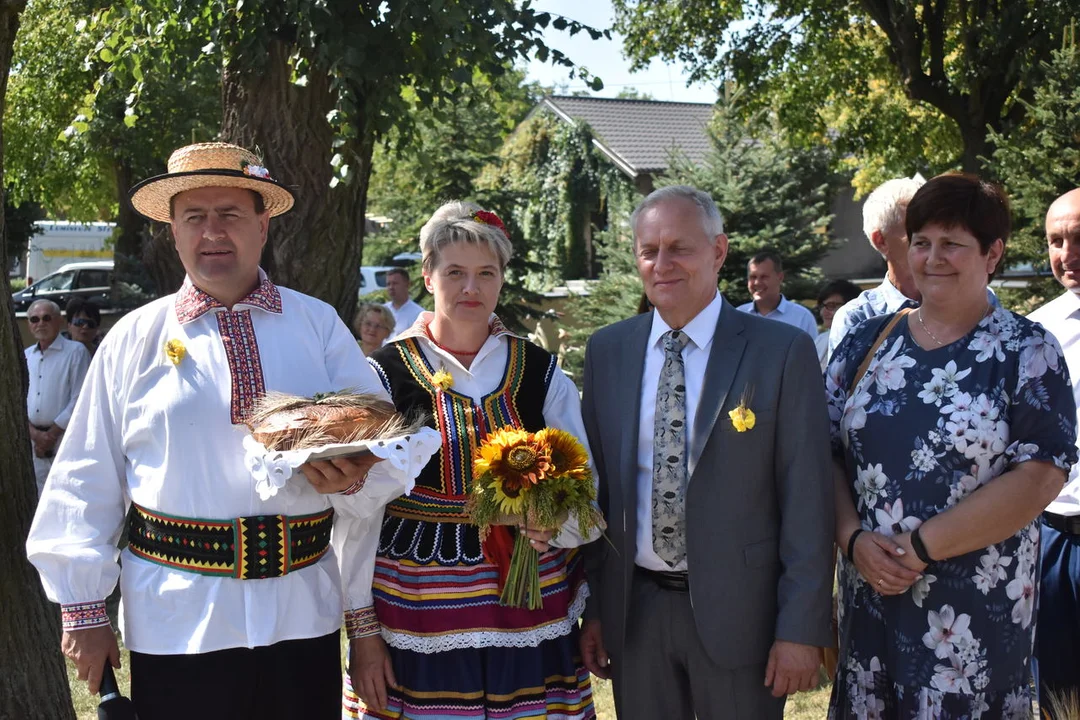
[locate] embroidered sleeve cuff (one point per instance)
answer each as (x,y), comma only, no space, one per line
(355,487)
(82,616)
(361,623)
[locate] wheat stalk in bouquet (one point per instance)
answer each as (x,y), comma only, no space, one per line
(533,480)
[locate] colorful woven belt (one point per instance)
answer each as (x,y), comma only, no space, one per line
(248,548)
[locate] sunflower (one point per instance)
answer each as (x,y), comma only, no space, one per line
(568,456)
(514,459)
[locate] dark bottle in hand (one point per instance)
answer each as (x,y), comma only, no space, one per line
(113,705)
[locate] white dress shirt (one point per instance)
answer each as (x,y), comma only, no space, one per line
(56,375)
(695,360)
(787,312)
(562,404)
(1061,316)
(167,436)
(404,316)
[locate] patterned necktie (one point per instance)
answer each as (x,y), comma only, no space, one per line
(669,454)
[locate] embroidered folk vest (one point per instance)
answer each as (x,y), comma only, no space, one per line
(518,401)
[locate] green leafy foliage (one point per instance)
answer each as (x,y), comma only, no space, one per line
(413,174)
(71,144)
(961,66)
(1040,160)
(557,188)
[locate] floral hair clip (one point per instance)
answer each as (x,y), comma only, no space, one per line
(486,217)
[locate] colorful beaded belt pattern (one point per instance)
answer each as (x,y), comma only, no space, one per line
(247,548)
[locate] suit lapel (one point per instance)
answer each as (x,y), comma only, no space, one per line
(631,369)
(728,346)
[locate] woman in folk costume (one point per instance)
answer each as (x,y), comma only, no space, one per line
(441,644)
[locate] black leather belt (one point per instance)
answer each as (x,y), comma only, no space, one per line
(43,428)
(1068,524)
(674,581)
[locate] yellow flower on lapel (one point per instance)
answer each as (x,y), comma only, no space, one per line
(443,379)
(175,351)
(742,417)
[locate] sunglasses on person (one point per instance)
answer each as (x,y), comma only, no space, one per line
(84,323)
(35,319)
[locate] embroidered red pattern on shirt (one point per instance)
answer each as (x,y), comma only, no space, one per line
(245,366)
(192,303)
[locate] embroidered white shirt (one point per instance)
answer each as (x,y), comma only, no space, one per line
(1061,316)
(164,436)
(695,361)
(787,312)
(404,316)
(56,375)
(562,404)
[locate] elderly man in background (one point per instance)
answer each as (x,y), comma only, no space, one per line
(1058,641)
(57,367)
(764,280)
(883,223)
(403,307)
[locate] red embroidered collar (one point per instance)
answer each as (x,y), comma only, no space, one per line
(192,303)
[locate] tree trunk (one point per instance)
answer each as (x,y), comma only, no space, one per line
(317,247)
(33,683)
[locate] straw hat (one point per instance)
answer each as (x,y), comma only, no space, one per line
(209,165)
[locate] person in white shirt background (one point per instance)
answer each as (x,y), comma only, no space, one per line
(1058,640)
(883,222)
(764,280)
(404,308)
(225,630)
(57,367)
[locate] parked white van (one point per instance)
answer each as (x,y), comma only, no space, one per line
(59,243)
(372,278)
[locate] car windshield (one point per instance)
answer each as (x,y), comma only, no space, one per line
(59,281)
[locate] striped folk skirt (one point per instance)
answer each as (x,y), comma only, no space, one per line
(456,652)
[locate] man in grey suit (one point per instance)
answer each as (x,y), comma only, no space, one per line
(710,435)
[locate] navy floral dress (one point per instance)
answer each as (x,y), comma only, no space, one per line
(922,430)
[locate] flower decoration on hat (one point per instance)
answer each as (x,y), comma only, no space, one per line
(175,351)
(486,217)
(253,170)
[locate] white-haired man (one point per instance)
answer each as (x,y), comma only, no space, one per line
(57,367)
(883,223)
(232,604)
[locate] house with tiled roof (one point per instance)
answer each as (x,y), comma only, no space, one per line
(640,136)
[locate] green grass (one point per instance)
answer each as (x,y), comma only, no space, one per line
(802,706)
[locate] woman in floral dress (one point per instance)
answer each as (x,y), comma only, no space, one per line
(958,434)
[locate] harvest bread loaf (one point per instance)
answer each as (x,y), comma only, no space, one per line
(291,422)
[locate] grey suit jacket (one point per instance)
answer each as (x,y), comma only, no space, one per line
(759,504)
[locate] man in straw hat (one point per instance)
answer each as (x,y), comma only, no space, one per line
(232,605)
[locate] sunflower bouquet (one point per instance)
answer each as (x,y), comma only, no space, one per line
(533,480)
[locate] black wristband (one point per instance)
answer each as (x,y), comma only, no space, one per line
(919,548)
(851,544)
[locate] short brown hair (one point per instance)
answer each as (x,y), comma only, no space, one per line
(959,200)
(398,271)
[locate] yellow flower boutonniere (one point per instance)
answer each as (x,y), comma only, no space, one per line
(742,417)
(175,351)
(443,379)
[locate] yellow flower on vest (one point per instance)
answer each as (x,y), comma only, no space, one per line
(742,417)
(443,379)
(175,351)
